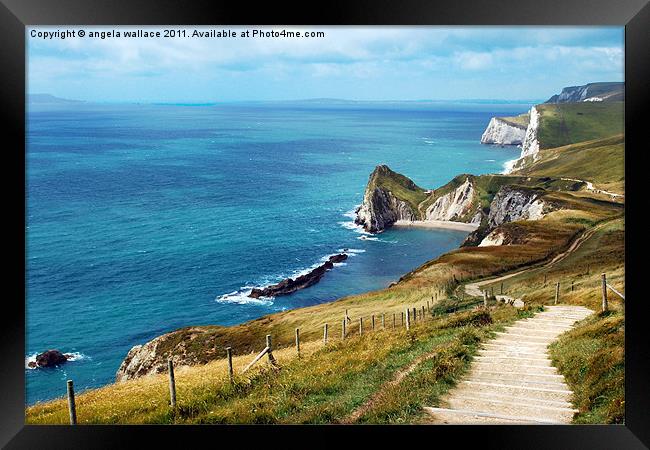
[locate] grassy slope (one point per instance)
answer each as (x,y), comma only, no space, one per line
(520,120)
(570,123)
(400,186)
(600,161)
(325,385)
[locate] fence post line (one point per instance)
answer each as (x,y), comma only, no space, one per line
(360,326)
(325,334)
(230,371)
(298,341)
(172,383)
(72,407)
(343,330)
(557,292)
(408,324)
(604,288)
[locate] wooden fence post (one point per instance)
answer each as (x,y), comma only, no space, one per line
(557,292)
(393,320)
(231,373)
(343,330)
(325,334)
(604,288)
(373,322)
(422,312)
(408,324)
(502,288)
(571,285)
(172,383)
(415,318)
(72,407)
(401,318)
(485,298)
(360,326)
(270,347)
(298,341)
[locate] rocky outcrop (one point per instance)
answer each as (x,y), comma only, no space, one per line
(289,285)
(502,132)
(454,205)
(592,92)
(384,200)
(49,358)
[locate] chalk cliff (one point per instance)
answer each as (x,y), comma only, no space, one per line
(503,132)
(389,197)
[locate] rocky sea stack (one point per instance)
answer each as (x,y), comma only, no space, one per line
(290,285)
(49,358)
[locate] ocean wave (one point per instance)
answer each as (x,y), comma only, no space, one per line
(241,297)
(351,251)
(508,165)
(351,225)
(368,238)
(72,356)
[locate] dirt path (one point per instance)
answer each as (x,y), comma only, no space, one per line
(512,381)
(474,289)
(399,376)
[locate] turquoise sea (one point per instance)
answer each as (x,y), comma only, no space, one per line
(142,219)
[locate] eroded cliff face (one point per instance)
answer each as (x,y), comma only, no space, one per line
(454,205)
(179,345)
(500,132)
(389,197)
(512,203)
(381,209)
(530,144)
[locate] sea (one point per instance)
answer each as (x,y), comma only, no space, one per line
(145,218)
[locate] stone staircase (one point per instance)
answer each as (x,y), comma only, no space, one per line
(511,380)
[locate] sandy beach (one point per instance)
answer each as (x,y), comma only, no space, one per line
(446,224)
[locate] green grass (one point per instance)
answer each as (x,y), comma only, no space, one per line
(520,120)
(600,161)
(570,123)
(592,359)
(400,186)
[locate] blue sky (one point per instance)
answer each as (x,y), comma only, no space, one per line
(356,63)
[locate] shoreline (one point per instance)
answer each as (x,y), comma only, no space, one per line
(439,224)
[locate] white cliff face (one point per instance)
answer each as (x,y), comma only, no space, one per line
(453,205)
(511,204)
(380,209)
(500,132)
(530,144)
(494,238)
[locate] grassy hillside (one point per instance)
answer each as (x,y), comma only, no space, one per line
(569,123)
(600,161)
(402,187)
(520,120)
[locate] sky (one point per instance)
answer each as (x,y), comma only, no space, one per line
(353,63)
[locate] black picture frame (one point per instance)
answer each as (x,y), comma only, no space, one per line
(15,15)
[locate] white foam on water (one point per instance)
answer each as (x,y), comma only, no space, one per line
(508,165)
(241,297)
(72,356)
(351,251)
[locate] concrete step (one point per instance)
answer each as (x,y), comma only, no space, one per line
(502,358)
(543,393)
(514,409)
(523,382)
(519,368)
(448,415)
(496,396)
(513,374)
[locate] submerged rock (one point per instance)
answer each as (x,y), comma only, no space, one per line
(290,285)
